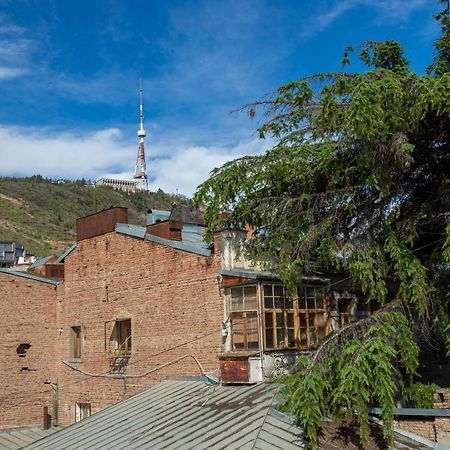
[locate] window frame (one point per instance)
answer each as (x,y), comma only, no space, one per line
(249,317)
(297,308)
(79,411)
(72,356)
(121,340)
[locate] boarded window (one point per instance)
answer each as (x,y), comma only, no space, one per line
(82,411)
(121,339)
(243,308)
(300,322)
(76,342)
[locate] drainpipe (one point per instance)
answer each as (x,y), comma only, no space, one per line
(55,395)
(260,330)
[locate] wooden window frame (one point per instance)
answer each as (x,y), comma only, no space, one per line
(72,356)
(124,344)
(245,315)
(296,312)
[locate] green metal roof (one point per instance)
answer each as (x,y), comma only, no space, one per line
(30,276)
(16,438)
(182,414)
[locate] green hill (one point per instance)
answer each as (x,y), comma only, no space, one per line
(41,213)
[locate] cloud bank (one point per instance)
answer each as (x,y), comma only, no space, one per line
(182,167)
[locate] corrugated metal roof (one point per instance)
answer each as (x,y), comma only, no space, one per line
(40,261)
(30,276)
(16,438)
(140,232)
(183,414)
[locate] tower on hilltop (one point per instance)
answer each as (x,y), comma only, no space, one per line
(140,172)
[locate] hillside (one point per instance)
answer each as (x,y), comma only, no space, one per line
(41,213)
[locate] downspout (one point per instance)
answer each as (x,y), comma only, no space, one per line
(260,331)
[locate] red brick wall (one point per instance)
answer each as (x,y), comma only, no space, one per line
(27,316)
(172,298)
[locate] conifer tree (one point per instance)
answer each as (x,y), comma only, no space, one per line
(359,176)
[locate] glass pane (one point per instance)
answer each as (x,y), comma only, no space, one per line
(268,290)
(312,336)
(269,337)
(302,320)
(303,341)
(268,302)
(291,337)
(237,327)
(302,302)
(236,299)
(320,300)
(278,291)
(280,319)
(279,302)
(280,337)
(310,303)
(250,297)
(252,331)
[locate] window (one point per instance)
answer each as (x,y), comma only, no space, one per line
(121,338)
(345,311)
(82,410)
(243,308)
(76,343)
(294,323)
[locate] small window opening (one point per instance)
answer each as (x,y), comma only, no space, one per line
(121,341)
(22,349)
(76,342)
(82,411)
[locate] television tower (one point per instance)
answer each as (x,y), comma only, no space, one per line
(140,172)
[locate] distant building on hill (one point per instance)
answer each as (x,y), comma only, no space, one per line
(13,254)
(123,185)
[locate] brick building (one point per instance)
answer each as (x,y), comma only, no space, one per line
(140,303)
(28,334)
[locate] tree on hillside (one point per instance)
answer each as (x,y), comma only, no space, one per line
(358,177)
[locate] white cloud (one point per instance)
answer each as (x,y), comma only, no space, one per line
(186,168)
(10,72)
(15,50)
(385,11)
(178,166)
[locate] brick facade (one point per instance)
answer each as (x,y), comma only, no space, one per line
(27,334)
(172,299)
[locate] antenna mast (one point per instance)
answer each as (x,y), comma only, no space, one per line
(140,172)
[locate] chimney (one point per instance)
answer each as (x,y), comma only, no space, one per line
(100,223)
(166,229)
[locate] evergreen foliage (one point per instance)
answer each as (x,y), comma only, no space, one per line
(358,177)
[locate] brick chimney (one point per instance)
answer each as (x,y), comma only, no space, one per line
(167,229)
(100,223)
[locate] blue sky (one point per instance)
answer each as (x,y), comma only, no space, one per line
(69,72)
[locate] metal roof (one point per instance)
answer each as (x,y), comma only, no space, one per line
(18,273)
(182,414)
(40,261)
(266,275)
(67,252)
(140,232)
(16,438)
